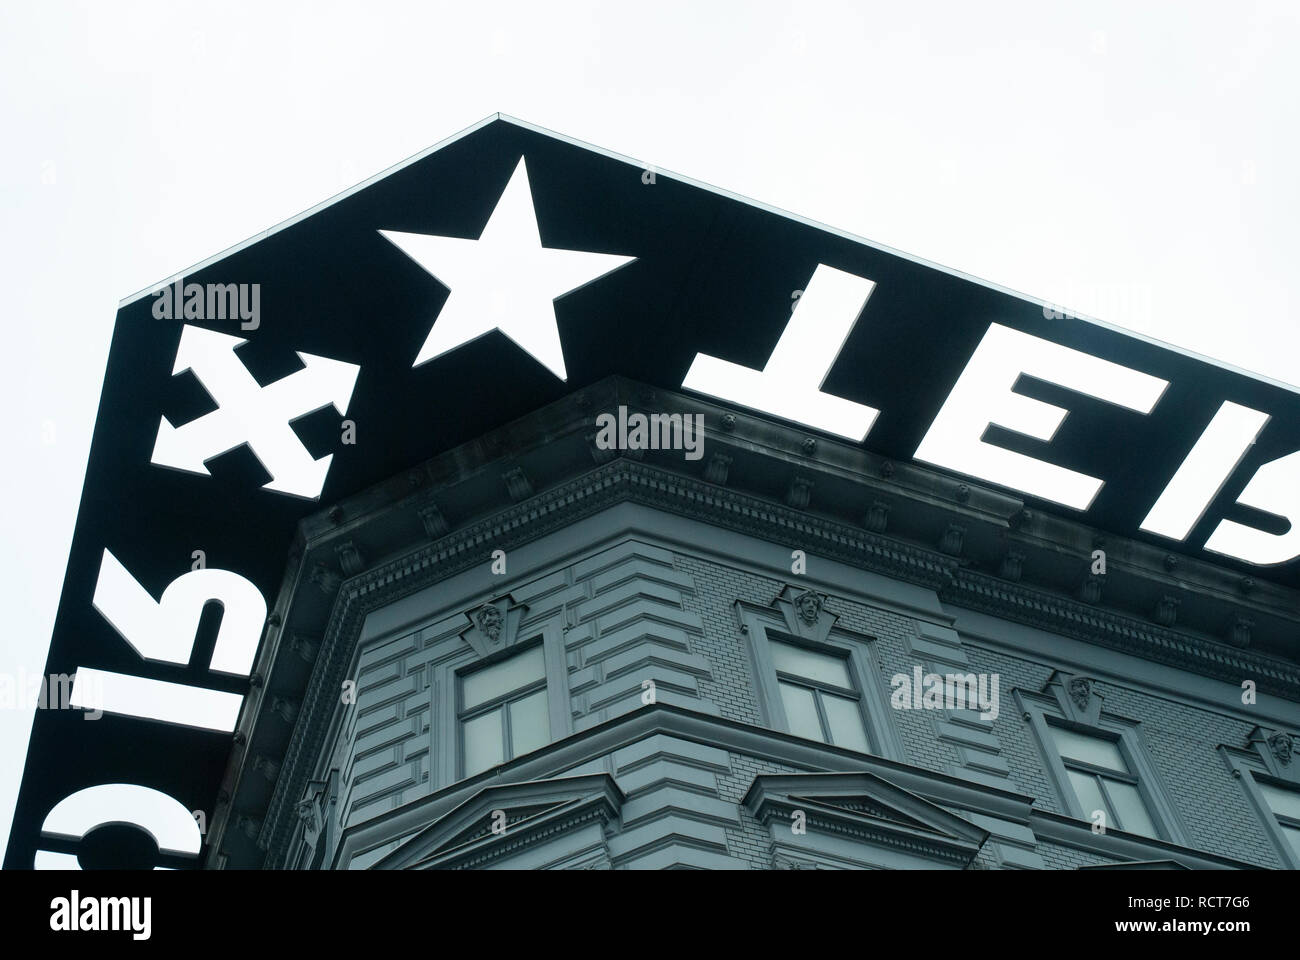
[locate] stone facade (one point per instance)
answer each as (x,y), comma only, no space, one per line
(654,590)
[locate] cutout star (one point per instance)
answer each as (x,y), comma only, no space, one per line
(505,280)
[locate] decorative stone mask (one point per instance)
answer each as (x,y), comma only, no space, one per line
(307,813)
(1281,745)
(1080,691)
(489,621)
(809,606)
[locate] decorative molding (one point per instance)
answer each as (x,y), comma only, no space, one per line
(306,647)
(1239,631)
(494,626)
(953,539)
(1076,695)
(601,455)
(351,560)
(877,518)
(517,484)
(1013,566)
(431,518)
(622,481)
(285,708)
(1280,745)
(642,727)
(804,612)
(1276,750)
(1117,631)
(251,827)
(784,862)
(536,810)
(718,468)
(864,809)
(1166,612)
(1126,848)
(266,767)
(799,493)
(325,578)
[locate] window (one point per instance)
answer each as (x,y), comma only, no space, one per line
(504,711)
(1285,805)
(1103,780)
(819,697)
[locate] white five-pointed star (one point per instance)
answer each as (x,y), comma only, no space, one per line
(505,280)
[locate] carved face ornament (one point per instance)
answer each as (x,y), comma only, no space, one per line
(1281,745)
(1080,690)
(809,606)
(307,813)
(489,622)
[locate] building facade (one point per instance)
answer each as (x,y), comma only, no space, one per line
(528,506)
(544,649)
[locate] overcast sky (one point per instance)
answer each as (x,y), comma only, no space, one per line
(1133,161)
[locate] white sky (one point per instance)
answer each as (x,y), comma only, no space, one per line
(1134,161)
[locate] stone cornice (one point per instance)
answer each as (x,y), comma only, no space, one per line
(597,808)
(619,481)
(1106,628)
(624,480)
(565,800)
(748,739)
(866,830)
(731,735)
(1068,832)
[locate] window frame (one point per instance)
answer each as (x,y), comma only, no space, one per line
(1124,733)
(820,689)
(1252,779)
(445,738)
(500,702)
(1101,775)
(763,626)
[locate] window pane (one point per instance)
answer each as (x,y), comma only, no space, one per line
(1130,808)
(530,724)
(484,742)
(1283,802)
(845,721)
(501,678)
(1089,795)
(801,712)
(801,662)
(1293,837)
(1095,750)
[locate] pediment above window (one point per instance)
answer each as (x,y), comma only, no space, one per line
(1138,865)
(856,821)
(538,824)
